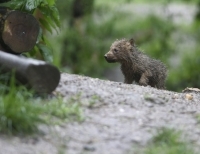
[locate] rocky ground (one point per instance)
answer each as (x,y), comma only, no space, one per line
(118,118)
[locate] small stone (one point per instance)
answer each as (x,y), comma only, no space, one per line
(175,96)
(189,96)
(89,148)
(149,105)
(149,98)
(121,110)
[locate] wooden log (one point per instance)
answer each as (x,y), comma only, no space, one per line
(19,31)
(38,75)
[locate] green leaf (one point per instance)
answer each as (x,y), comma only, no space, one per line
(16,4)
(51,15)
(51,2)
(32,4)
(46,52)
(39,36)
(45,24)
(55,16)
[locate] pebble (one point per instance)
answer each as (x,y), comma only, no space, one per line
(175,96)
(89,148)
(188,96)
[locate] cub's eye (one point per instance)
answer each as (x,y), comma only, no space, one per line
(115,50)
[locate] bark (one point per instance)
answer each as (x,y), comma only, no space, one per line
(19,31)
(38,75)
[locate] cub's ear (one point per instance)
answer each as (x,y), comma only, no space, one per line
(132,42)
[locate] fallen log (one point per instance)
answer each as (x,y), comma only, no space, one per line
(36,74)
(19,31)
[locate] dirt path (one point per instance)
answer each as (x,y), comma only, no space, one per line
(118,117)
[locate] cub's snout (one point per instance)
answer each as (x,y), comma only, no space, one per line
(110,57)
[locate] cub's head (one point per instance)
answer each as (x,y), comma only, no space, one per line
(120,51)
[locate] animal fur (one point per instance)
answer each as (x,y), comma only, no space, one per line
(136,66)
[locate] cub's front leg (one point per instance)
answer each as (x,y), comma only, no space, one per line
(144,79)
(128,80)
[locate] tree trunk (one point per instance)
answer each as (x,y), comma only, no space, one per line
(19,31)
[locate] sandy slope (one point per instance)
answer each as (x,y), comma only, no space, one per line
(118,118)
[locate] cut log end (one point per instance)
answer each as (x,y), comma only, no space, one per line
(20,31)
(43,78)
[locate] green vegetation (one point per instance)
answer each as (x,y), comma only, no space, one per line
(168,141)
(18,114)
(21,112)
(85,39)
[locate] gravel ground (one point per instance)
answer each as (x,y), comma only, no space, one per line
(120,118)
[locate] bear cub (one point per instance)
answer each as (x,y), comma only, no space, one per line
(137,66)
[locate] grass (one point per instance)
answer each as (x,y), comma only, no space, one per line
(18,114)
(21,112)
(168,141)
